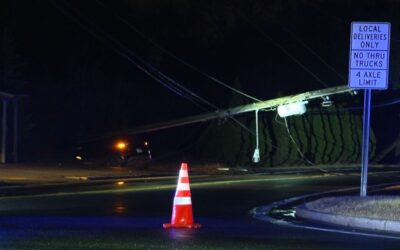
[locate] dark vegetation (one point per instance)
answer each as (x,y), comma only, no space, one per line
(66,56)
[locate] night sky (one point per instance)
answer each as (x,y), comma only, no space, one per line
(94,67)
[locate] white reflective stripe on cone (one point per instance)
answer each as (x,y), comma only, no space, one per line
(183,173)
(183,187)
(182,201)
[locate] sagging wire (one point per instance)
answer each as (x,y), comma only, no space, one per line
(149,69)
(285,51)
(276,120)
(316,135)
(144,66)
(309,49)
(189,91)
(389,103)
(349,109)
(176,87)
(295,143)
(192,67)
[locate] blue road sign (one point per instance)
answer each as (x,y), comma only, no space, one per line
(369,55)
(369,66)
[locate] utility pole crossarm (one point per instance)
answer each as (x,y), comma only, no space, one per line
(269,104)
(274,103)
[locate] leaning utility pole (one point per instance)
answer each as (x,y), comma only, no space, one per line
(286,103)
(268,104)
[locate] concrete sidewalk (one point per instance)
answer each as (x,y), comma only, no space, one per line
(384,225)
(297,208)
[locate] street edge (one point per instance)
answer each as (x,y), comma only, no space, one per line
(390,226)
(262,212)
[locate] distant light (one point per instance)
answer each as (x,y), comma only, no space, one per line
(120,183)
(121,145)
(78,157)
(146,143)
(296,108)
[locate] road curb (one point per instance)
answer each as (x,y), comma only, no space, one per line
(348,221)
(380,226)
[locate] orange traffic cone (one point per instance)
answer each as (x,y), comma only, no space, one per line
(182,214)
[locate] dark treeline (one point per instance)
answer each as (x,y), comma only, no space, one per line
(67,56)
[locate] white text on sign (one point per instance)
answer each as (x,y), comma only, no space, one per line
(369,55)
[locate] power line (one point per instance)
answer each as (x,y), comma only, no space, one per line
(349,109)
(148,68)
(312,51)
(155,44)
(140,63)
(285,51)
(295,143)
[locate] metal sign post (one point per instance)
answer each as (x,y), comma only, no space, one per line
(365,142)
(369,64)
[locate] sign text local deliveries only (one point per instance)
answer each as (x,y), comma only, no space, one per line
(369,55)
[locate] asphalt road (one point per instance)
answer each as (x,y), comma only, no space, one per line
(130,216)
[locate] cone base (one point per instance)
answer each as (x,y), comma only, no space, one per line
(190,226)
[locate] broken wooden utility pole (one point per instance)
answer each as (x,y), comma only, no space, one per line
(286,103)
(268,105)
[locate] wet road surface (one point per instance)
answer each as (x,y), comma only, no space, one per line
(130,216)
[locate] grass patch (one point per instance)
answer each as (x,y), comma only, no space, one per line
(378,207)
